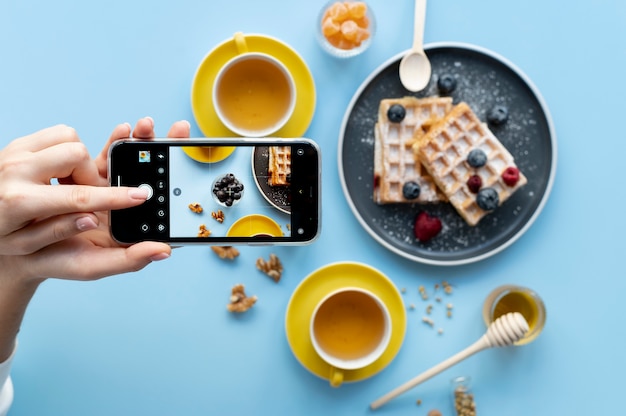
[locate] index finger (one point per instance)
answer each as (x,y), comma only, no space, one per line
(64,199)
(47,137)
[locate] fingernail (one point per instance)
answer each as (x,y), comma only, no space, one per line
(187,123)
(150,119)
(139,193)
(86,224)
(160,256)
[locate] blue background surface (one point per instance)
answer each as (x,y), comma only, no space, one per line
(160,342)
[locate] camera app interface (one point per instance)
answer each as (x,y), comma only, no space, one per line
(241,191)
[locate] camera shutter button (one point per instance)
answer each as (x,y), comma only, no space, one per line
(148,188)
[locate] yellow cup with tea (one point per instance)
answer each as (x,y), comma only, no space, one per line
(254,94)
(512,298)
(350,329)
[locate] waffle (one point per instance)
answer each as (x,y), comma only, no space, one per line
(394,160)
(279,165)
(443,151)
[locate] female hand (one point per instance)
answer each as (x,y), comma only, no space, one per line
(62,230)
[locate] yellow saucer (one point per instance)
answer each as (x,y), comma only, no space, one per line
(202,87)
(318,284)
(208,154)
(254,225)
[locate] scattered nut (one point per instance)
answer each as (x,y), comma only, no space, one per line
(272,267)
(203,231)
(423,293)
(239,302)
(218,216)
(225,252)
(428,321)
(429,309)
(196,207)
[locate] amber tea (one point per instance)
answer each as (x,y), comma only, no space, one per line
(350,328)
(254,95)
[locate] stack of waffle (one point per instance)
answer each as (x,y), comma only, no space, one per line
(436,155)
(394,160)
(279,165)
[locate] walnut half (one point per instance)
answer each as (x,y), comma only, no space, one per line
(239,302)
(203,231)
(218,215)
(225,252)
(272,267)
(196,207)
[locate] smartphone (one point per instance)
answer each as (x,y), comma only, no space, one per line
(218,191)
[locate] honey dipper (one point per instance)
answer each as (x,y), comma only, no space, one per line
(504,331)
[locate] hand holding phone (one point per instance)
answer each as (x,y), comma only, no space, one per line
(218,191)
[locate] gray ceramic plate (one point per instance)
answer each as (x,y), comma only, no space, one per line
(484,79)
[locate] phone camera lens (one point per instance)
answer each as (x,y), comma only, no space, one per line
(300,152)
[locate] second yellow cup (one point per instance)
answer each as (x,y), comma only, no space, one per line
(350,329)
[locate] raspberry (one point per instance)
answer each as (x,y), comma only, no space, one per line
(426,226)
(474,183)
(510,176)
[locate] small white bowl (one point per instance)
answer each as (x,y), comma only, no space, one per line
(335,50)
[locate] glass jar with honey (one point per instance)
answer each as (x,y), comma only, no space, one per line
(512,298)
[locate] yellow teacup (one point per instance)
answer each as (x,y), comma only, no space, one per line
(254,94)
(350,329)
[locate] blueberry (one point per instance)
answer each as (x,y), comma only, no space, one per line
(411,190)
(396,113)
(476,158)
(498,115)
(228,189)
(446,83)
(488,199)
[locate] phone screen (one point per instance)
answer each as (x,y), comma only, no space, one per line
(234,191)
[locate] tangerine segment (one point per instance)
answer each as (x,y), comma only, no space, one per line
(345,24)
(356,10)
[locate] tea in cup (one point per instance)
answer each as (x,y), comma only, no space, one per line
(254,94)
(350,329)
(511,298)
